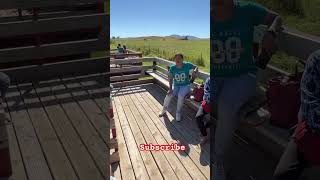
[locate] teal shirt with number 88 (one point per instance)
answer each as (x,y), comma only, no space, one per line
(181,76)
(232,40)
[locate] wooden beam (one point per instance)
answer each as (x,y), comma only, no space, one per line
(54,70)
(126,77)
(298,44)
(24,4)
(51,50)
(130,61)
(68,23)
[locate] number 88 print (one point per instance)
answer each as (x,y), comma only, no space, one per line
(180,77)
(230,51)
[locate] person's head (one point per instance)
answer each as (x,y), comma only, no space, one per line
(119,45)
(178,58)
(124,47)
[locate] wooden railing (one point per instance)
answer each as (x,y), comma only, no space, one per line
(53,38)
(41,35)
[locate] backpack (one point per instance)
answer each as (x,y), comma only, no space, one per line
(198,93)
(283,94)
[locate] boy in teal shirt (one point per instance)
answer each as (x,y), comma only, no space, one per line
(232,28)
(181,76)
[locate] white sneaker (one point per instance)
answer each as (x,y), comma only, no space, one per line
(218,172)
(162,113)
(178,117)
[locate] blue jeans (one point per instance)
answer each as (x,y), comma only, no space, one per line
(181,90)
(230,94)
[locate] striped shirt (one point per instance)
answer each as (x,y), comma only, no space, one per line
(310,92)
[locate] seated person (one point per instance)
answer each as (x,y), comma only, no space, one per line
(179,84)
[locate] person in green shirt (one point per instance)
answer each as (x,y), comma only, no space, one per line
(181,75)
(232,28)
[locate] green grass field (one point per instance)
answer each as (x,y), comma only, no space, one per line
(303,15)
(196,51)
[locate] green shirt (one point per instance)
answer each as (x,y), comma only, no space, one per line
(232,40)
(181,76)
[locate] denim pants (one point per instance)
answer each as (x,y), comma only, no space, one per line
(230,94)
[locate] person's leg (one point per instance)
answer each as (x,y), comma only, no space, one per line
(4,85)
(290,166)
(183,91)
(168,99)
(199,118)
(234,93)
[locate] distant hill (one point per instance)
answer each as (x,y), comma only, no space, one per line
(182,37)
(175,36)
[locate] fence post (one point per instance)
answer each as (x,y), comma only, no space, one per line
(154,65)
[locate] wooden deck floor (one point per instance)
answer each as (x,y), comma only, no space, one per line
(137,123)
(57,129)
(136,115)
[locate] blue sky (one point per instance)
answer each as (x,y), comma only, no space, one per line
(133,18)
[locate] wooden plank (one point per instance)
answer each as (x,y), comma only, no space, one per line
(74,146)
(126,77)
(24,4)
(46,15)
(32,153)
(131,83)
(125,162)
(143,122)
(148,159)
(171,135)
(102,102)
(53,70)
(18,169)
(132,69)
(126,55)
(130,61)
(79,113)
(199,156)
(55,155)
(135,156)
(50,50)
(98,118)
(68,23)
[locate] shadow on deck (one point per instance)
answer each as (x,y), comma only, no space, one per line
(57,129)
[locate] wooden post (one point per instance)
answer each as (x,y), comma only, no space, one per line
(5,162)
(154,65)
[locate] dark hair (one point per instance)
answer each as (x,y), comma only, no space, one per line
(178,54)
(125,47)
(119,44)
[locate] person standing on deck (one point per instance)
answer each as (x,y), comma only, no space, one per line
(4,85)
(303,150)
(181,75)
(232,31)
